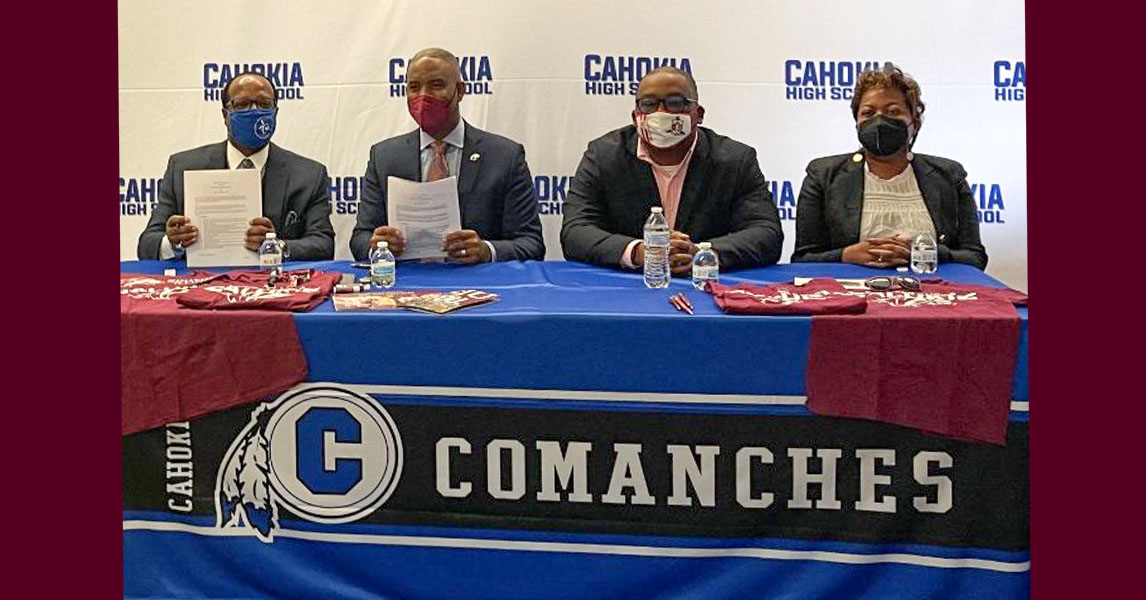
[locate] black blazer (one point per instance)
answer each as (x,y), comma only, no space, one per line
(291,184)
(725,200)
(495,191)
(831,203)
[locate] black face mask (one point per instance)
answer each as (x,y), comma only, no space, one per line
(882,136)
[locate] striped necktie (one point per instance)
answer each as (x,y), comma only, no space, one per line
(246,164)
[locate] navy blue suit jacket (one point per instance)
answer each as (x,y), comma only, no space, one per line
(495,191)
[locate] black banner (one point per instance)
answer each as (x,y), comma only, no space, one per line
(330,458)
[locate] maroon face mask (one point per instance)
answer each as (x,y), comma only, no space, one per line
(429,112)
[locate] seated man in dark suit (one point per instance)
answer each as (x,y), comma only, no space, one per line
(296,190)
(710,186)
(495,189)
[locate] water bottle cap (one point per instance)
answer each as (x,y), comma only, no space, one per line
(383,244)
(705,245)
(657,209)
(270,235)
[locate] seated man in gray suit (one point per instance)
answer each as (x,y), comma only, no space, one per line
(710,187)
(495,189)
(296,190)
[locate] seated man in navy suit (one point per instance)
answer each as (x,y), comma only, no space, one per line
(296,190)
(495,189)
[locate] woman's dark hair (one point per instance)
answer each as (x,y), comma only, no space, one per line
(891,77)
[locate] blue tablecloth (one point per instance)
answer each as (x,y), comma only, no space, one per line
(555,319)
(570,355)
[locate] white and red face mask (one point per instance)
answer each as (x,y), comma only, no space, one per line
(664,129)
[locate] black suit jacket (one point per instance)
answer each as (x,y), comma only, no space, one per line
(495,192)
(291,183)
(831,204)
(725,200)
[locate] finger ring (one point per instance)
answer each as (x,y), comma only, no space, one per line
(463,252)
(879,258)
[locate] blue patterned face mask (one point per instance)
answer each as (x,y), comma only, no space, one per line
(253,128)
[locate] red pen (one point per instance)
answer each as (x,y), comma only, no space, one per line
(680,303)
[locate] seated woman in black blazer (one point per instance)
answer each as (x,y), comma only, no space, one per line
(866,208)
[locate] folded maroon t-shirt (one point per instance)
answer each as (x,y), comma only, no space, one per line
(238,290)
(818,297)
(941,360)
(178,363)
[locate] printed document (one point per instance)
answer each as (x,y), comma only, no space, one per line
(221,203)
(424,212)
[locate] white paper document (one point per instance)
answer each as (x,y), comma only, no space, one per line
(424,212)
(221,203)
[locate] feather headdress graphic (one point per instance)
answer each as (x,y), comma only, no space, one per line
(243,495)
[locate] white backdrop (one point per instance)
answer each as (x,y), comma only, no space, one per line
(540,70)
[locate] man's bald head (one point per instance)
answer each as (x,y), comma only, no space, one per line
(440,54)
(245,77)
(668,71)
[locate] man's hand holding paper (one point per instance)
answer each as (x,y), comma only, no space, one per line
(390,235)
(423,215)
(257,231)
(180,232)
(466,247)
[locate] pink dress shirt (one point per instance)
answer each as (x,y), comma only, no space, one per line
(670,182)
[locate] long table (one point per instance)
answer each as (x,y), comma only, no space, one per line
(578,438)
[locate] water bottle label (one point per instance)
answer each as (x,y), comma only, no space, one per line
(657,238)
(699,272)
(270,259)
(382,270)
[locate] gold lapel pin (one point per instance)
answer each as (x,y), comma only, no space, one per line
(857,157)
(474,157)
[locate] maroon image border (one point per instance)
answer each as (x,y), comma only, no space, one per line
(62,442)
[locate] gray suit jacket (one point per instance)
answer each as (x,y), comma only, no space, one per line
(495,191)
(292,184)
(830,208)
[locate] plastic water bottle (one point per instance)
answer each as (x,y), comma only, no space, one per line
(271,255)
(705,266)
(924,254)
(382,270)
(657,234)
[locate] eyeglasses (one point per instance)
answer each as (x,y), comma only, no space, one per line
(674,104)
(241,105)
(885,282)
